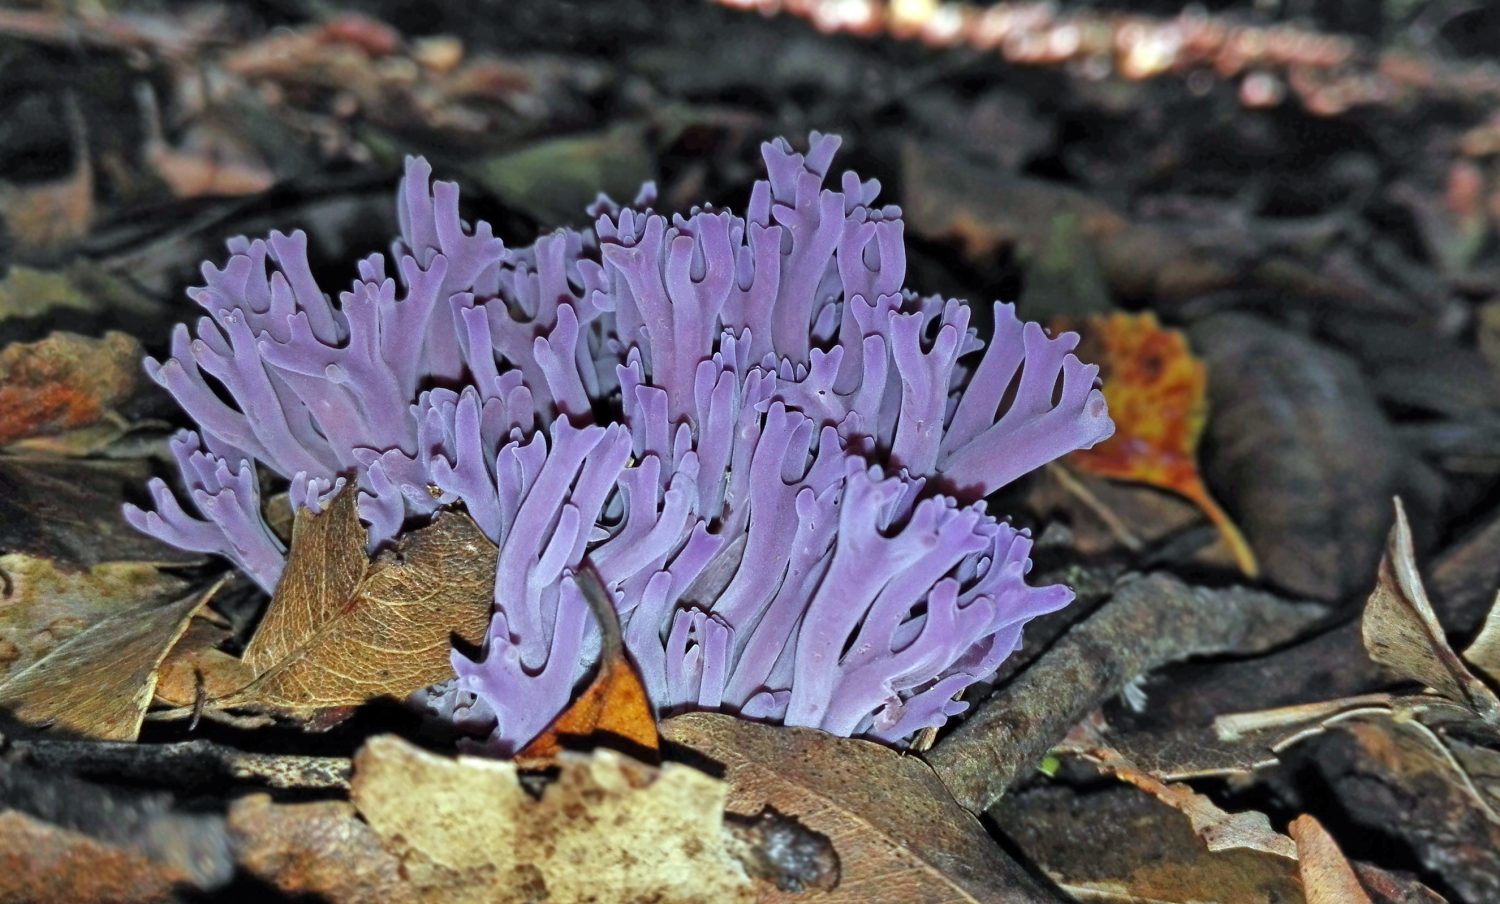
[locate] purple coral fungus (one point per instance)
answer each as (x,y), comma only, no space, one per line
(783,499)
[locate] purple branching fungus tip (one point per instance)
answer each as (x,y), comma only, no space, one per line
(773,454)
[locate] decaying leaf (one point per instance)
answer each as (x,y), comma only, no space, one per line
(47,215)
(607,829)
(320,850)
(1327,877)
(342,628)
(64,382)
(99,683)
(1155,388)
(898,834)
(1402,633)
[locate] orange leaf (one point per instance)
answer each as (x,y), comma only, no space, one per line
(615,705)
(1156,393)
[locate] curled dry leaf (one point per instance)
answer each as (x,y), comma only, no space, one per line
(1484,652)
(898,834)
(64,382)
(1155,388)
(99,683)
(1402,633)
(607,829)
(343,628)
(1327,877)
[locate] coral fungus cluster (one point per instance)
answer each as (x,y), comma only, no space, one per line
(772,455)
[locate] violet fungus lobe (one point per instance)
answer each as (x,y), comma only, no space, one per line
(771,452)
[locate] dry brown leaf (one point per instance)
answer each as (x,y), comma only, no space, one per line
(99,683)
(1402,633)
(342,628)
(607,829)
(48,215)
(898,834)
(64,382)
(1327,877)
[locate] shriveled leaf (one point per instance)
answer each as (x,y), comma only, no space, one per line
(64,382)
(898,834)
(608,828)
(1327,877)
(1116,845)
(342,628)
(42,605)
(1399,780)
(99,683)
(44,216)
(1155,388)
(1402,633)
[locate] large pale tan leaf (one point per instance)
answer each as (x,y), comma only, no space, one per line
(898,834)
(609,829)
(99,682)
(342,629)
(1402,633)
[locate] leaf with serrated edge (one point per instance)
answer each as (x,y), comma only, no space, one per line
(898,834)
(1402,633)
(342,629)
(98,683)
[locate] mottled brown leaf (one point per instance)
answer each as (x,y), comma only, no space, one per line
(65,381)
(320,849)
(1402,633)
(342,628)
(898,834)
(1327,877)
(99,683)
(196,668)
(1299,453)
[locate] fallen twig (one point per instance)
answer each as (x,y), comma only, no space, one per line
(1151,621)
(182,763)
